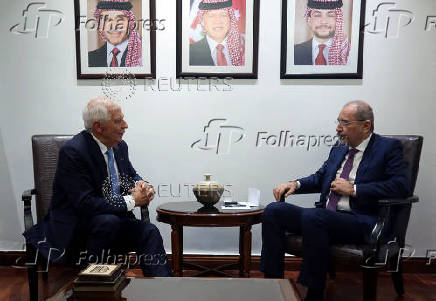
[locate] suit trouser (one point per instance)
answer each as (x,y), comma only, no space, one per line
(107,235)
(319,228)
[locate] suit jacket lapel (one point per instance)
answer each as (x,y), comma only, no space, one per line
(366,158)
(97,156)
(119,159)
(123,59)
(101,57)
(339,158)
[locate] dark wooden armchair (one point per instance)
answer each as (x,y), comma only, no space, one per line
(388,235)
(45,150)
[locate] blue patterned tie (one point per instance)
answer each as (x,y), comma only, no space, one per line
(334,197)
(112,171)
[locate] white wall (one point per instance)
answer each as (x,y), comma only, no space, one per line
(40,94)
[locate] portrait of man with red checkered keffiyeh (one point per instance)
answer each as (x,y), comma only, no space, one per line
(116,27)
(222,44)
(329,44)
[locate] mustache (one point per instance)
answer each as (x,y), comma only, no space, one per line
(114,30)
(323,26)
(342,139)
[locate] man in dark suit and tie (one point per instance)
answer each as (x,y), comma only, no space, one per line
(361,169)
(329,44)
(116,27)
(94,192)
(223,44)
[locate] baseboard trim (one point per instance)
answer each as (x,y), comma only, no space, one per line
(414,265)
(9,258)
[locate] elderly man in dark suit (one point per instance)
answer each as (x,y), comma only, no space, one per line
(360,170)
(94,192)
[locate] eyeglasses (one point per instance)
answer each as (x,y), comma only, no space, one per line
(346,122)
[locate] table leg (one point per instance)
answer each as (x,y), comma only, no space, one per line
(177,249)
(241,251)
(245,251)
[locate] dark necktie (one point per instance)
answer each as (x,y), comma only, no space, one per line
(221,58)
(345,174)
(112,171)
(320,59)
(114,62)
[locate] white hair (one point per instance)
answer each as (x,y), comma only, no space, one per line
(97,109)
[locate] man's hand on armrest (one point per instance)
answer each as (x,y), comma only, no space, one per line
(285,189)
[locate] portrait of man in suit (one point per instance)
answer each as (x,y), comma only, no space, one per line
(95,191)
(116,28)
(222,44)
(329,43)
(362,168)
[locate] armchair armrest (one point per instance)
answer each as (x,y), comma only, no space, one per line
(376,249)
(144,214)
(317,204)
(406,201)
(27,198)
(27,195)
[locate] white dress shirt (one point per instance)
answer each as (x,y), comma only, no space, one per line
(122,47)
(315,50)
(214,51)
(344,201)
(130,202)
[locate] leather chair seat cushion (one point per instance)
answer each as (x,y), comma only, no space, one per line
(343,253)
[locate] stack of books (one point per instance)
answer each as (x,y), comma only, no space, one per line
(100,278)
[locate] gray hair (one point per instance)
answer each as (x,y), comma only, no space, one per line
(363,111)
(97,109)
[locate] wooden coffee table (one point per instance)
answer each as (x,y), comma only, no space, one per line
(188,289)
(193,214)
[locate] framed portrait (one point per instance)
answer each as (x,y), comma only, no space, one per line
(217,38)
(322,38)
(115,37)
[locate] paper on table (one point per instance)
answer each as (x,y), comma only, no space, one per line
(236,205)
(253,197)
